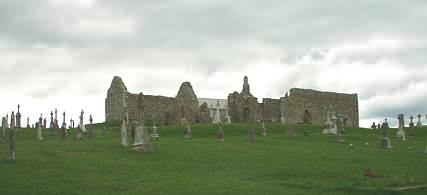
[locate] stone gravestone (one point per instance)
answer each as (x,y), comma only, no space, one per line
(55,122)
(155,133)
(12,120)
(411,124)
(90,119)
(133,125)
(373,126)
(419,124)
(263,130)
(251,135)
(339,138)
(331,126)
(3,130)
(18,119)
(142,145)
(39,128)
(220,134)
(51,126)
(291,131)
(82,127)
(79,133)
(12,147)
(124,133)
(385,140)
(63,131)
(188,133)
(139,135)
(7,120)
(401,132)
(28,122)
(44,123)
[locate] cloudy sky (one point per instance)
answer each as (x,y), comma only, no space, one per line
(64,53)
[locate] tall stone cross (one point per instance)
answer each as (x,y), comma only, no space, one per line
(63,123)
(18,118)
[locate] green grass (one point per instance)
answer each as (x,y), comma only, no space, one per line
(276,164)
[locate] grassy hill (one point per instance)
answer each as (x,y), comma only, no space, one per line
(307,163)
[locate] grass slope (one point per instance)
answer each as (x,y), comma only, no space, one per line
(276,164)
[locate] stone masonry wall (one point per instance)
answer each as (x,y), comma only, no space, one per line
(319,105)
(271,110)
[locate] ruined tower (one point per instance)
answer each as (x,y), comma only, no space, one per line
(243,107)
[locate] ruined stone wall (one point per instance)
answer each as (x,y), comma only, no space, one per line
(319,105)
(242,109)
(271,110)
(115,101)
(162,110)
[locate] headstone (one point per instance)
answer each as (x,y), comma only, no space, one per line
(18,119)
(263,130)
(81,125)
(124,133)
(3,130)
(71,123)
(90,119)
(92,133)
(331,126)
(220,134)
(44,123)
(155,134)
(51,126)
(12,120)
(139,136)
(63,131)
(28,122)
(55,122)
(411,124)
(12,145)
(251,135)
(339,138)
(385,140)
(290,132)
(401,132)
(133,125)
(79,133)
(188,133)
(39,128)
(419,124)
(373,126)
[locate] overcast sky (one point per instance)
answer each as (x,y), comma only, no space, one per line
(64,53)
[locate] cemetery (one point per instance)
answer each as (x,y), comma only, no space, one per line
(235,158)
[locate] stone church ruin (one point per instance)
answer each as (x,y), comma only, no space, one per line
(300,106)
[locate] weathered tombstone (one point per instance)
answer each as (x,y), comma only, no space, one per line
(188,133)
(401,132)
(138,137)
(385,140)
(39,128)
(133,125)
(263,130)
(12,120)
(79,133)
(124,133)
(339,138)
(90,119)
(331,126)
(220,134)
(18,119)
(44,123)
(28,122)
(81,125)
(373,126)
(71,123)
(290,132)
(7,120)
(155,133)
(63,131)
(251,135)
(12,147)
(51,126)
(3,130)
(55,122)
(411,124)
(419,124)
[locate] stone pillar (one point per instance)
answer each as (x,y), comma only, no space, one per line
(18,119)
(82,127)
(51,126)
(90,120)
(124,134)
(39,129)
(12,142)
(3,130)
